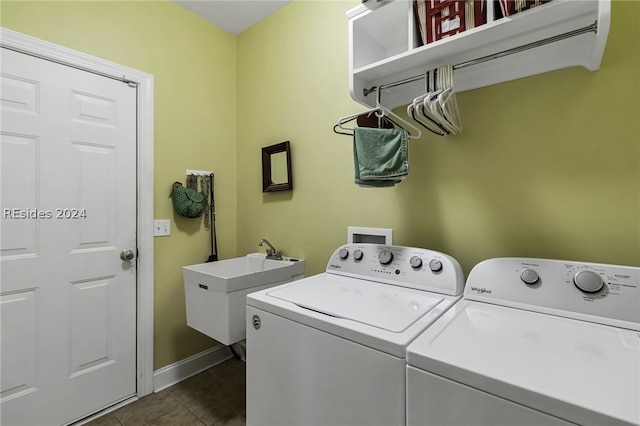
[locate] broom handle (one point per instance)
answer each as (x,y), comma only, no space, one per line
(214,242)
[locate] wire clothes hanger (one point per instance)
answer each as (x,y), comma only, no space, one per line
(442,104)
(380,112)
(416,109)
(437,109)
(349,130)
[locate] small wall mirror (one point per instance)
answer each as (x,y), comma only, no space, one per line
(276,168)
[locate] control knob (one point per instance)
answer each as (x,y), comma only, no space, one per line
(529,276)
(385,257)
(435,265)
(415,262)
(343,253)
(357,255)
(588,281)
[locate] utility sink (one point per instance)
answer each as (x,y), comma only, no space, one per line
(240,273)
(215,292)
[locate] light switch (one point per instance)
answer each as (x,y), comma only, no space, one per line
(161,227)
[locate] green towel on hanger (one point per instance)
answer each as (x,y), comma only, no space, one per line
(380,156)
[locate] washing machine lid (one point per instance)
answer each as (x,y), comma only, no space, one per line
(383,306)
(583,372)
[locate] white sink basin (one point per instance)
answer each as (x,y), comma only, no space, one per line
(252,270)
(215,292)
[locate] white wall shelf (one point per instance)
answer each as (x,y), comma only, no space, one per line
(384,47)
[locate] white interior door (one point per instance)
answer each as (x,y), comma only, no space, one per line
(68,204)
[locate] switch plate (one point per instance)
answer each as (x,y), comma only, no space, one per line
(161,227)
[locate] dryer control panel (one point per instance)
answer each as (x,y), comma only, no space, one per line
(411,267)
(606,294)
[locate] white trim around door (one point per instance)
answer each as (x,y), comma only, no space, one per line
(45,50)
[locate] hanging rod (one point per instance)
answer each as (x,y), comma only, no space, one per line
(588,29)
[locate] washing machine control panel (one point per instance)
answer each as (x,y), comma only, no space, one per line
(412,267)
(607,294)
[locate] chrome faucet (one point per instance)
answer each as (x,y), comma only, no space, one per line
(272,253)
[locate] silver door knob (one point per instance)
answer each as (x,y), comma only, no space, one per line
(127,255)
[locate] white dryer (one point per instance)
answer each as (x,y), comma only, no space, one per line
(533,342)
(330,349)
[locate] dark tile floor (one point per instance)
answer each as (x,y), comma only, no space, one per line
(214,397)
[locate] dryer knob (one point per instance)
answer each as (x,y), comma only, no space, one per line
(588,281)
(385,257)
(343,253)
(529,276)
(357,255)
(435,265)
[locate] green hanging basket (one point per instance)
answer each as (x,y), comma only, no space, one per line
(187,202)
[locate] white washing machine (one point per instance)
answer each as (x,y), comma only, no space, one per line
(330,349)
(533,342)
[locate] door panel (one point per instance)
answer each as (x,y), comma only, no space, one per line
(19,156)
(91,329)
(68,204)
(18,344)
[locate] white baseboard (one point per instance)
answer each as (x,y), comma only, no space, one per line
(183,369)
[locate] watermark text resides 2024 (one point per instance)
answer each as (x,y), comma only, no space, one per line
(58,213)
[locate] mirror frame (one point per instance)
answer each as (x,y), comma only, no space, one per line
(267,152)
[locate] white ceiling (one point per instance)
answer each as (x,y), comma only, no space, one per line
(234,16)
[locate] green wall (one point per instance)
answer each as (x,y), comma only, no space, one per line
(547,166)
